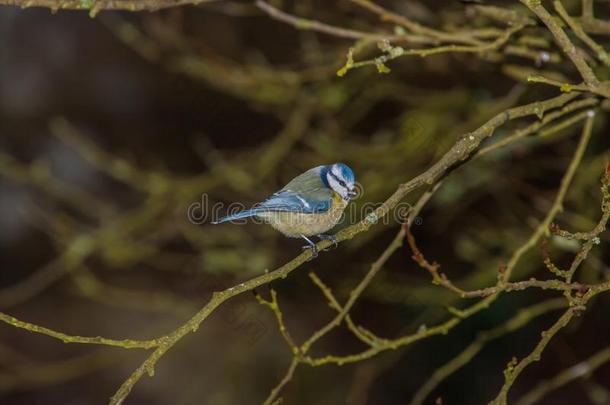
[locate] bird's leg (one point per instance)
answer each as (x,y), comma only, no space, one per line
(312,246)
(331,238)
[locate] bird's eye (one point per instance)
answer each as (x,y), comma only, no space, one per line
(342,183)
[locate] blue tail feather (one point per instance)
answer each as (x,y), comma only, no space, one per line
(239,215)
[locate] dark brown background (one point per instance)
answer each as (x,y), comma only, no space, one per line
(160,117)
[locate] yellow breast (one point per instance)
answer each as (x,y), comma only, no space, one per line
(296,224)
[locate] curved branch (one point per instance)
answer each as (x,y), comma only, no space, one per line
(97,340)
(95,6)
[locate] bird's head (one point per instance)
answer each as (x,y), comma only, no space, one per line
(341,179)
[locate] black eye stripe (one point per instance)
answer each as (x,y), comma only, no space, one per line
(341,182)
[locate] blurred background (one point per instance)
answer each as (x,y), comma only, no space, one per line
(111,128)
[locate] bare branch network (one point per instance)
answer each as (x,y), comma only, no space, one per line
(573,53)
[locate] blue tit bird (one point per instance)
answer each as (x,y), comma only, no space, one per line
(310,204)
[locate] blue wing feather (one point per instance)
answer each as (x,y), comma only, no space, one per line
(306,193)
(292,201)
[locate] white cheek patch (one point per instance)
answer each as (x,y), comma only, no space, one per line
(334,184)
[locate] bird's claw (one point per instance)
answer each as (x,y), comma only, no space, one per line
(314,251)
(331,238)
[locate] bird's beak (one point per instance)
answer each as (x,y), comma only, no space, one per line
(351,194)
